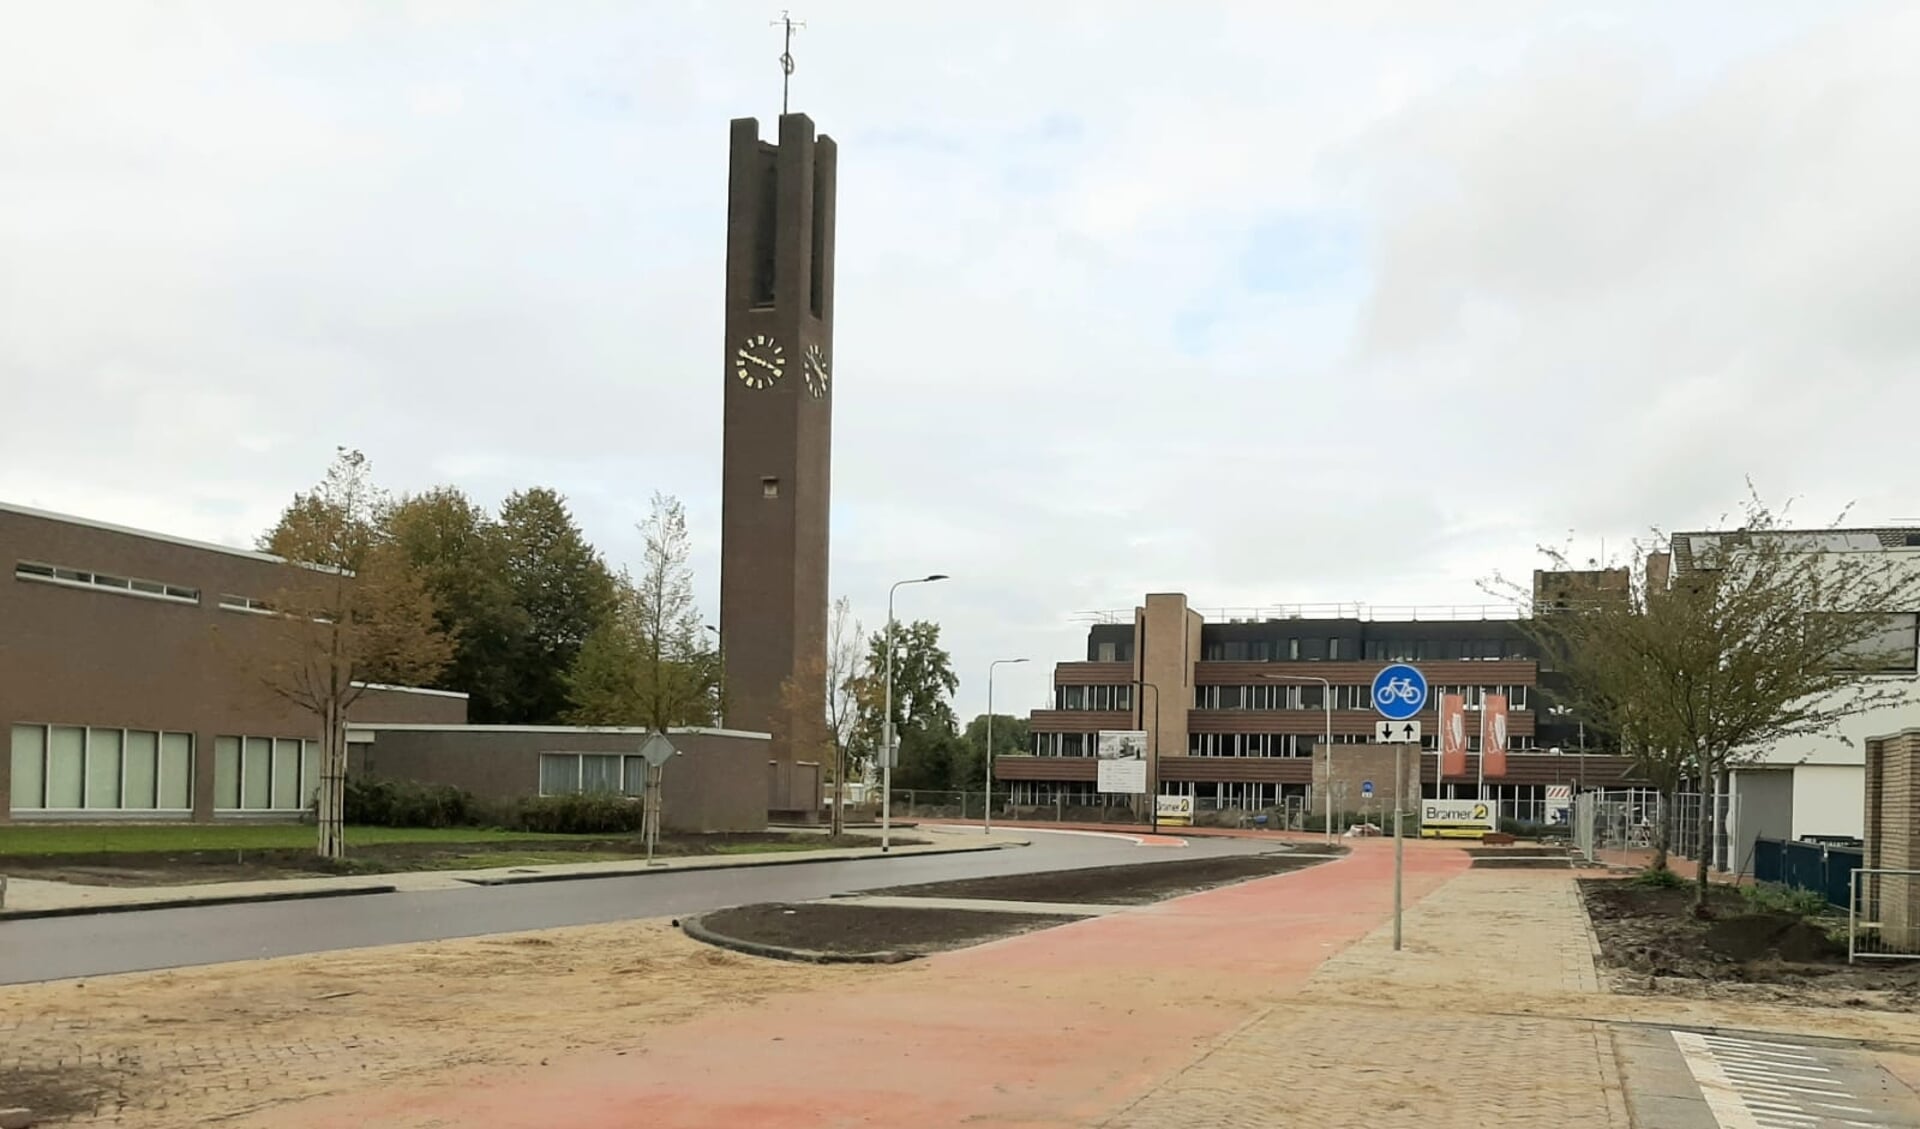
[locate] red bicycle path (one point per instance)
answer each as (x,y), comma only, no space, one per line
(1059,1027)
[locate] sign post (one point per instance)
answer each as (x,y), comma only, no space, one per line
(1398,693)
(656,750)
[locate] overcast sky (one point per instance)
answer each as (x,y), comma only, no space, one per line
(1267,303)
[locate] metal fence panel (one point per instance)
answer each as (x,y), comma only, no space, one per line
(1769,861)
(1883,914)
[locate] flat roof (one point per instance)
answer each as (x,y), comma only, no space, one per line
(635,730)
(148,534)
(411,690)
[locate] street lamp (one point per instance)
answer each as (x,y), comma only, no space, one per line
(1326,700)
(886,732)
(986,820)
(720,684)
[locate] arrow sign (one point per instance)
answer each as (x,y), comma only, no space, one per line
(1396,732)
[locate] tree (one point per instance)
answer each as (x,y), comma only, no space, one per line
(565,591)
(459,554)
(1762,638)
(1010,737)
(923,684)
(349,612)
(832,732)
(648,663)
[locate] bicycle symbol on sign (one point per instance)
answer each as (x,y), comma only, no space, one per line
(1397,689)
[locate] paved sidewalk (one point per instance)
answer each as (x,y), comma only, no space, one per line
(27,896)
(1062,1027)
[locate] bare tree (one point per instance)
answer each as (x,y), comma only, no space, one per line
(831,734)
(1764,635)
(349,612)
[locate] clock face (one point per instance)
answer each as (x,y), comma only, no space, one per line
(759,361)
(815,370)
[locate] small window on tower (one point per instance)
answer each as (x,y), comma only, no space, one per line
(769,488)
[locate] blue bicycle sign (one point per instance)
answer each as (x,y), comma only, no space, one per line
(1399,691)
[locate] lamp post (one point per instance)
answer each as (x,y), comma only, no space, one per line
(986,818)
(1326,700)
(720,684)
(886,729)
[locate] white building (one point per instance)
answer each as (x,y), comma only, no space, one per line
(1816,787)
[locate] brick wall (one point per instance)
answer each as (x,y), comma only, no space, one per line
(1893,835)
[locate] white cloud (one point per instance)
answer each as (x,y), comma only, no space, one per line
(1277,303)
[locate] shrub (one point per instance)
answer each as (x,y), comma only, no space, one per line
(1771,898)
(376,802)
(1660,879)
(594,813)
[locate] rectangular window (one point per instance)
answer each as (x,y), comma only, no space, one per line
(29,767)
(1105,653)
(1888,649)
(559,774)
(636,779)
(153,589)
(1333,649)
(769,488)
(599,774)
(1312,649)
(103,768)
(286,773)
(176,771)
(66,766)
(256,774)
(226,773)
(309,772)
(142,769)
(1235,652)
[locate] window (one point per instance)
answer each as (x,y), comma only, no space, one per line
(71,767)
(83,578)
(1312,649)
(234,603)
(769,488)
(1235,652)
(1105,653)
(264,773)
(566,774)
(1333,649)
(1890,649)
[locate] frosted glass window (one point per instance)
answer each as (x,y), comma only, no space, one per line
(286,773)
(143,760)
(29,766)
(256,774)
(176,770)
(636,776)
(226,773)
(600,774)
(559,774)
(66,768)
(103,768)
(309,772)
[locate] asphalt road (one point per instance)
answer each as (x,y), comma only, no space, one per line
(67,947)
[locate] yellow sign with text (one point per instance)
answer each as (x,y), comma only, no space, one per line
(1457,819)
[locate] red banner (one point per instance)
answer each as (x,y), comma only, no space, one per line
(1493,735)
(1453,735)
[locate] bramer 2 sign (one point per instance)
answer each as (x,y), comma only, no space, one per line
(1458,819)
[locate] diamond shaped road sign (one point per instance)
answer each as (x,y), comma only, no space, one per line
(1396,732)
(657,749)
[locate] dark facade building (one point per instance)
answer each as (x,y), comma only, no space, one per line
(127,680)
(778,433)
(129,689)
(1237,710)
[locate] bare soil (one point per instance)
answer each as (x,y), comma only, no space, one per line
(1657,944)
(1116,885)
(56,1093)
(174,868)
(831,928)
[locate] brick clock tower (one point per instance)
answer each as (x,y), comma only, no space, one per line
(778,433)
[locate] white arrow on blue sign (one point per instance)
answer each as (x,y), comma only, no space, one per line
(1399,691)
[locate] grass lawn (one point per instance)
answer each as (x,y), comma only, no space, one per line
(33,839)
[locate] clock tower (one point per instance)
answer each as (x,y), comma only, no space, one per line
(778,430)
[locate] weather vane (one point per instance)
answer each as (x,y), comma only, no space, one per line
(787,22)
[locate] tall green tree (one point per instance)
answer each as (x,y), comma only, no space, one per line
(923,688)
(648,663)
(1010,738)
(459,553)
(349,611)
(565,591)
